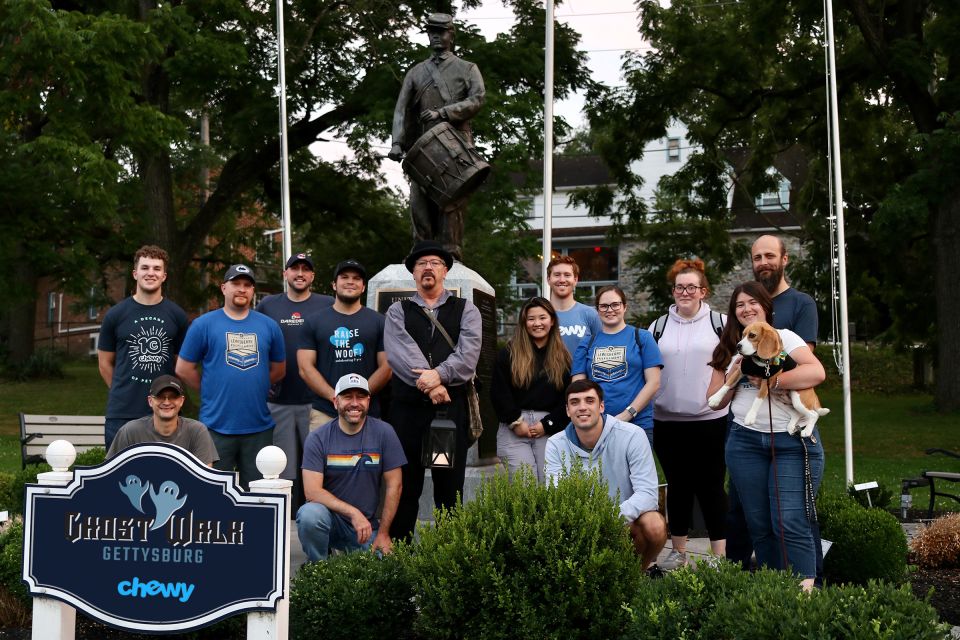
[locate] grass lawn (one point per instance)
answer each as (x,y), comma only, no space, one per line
(890,430)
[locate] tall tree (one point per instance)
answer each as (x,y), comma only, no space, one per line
(102,104)
(749,77)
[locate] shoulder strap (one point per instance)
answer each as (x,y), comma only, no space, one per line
(636,336)
(436,323)
(659,326)
(439,81)
(717,321)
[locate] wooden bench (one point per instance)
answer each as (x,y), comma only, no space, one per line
(38,431)
(929,479)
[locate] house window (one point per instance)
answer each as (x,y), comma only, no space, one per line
(51,307)
(93,311)
(778,200)
(673,149)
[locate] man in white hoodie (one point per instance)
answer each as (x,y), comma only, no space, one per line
(622,452)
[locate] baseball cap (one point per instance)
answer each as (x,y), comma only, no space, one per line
(350,265)
(351,381)
(239,271)
(299,257)
(161,383)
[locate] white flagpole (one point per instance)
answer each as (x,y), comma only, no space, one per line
(842,247)
(284,160)
(547,150)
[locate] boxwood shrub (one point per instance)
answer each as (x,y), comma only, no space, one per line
(526,561)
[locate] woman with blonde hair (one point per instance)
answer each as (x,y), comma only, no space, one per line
(688,435)
(529,379)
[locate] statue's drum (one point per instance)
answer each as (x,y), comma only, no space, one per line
(445,165)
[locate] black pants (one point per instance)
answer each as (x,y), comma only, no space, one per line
(691,455)
(411,420)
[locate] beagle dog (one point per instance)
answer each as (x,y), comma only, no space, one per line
(763,357)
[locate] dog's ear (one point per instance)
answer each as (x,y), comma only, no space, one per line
(769,345)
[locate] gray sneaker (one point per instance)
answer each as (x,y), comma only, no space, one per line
(674,560)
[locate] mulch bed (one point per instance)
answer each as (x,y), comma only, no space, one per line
(946,595)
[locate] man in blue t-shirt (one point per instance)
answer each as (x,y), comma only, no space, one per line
(242,354)
(345,338)
(576,320)
(290,400)
(344,464)
(139,341)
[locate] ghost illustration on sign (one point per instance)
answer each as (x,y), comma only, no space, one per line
(134,490)
(166,502)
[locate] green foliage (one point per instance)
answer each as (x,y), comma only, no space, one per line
(44,363)
(868,544)
(880,498)
(354,596)
(11,561)
(526,561)
(12,485)
(730,603)
(874,368)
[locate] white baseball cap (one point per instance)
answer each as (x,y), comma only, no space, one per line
(352,381)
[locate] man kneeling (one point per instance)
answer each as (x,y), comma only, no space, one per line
(344,463)
(622,452)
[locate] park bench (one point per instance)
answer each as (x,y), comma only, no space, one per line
(38,431)
(930,478)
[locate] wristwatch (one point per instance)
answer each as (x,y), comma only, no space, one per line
(631,411)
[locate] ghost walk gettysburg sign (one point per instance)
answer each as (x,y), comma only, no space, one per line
(152,540)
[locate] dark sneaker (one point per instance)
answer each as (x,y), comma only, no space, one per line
(654,572)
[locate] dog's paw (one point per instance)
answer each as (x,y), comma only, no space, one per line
(714,401)
(822,411)
(807,431)
(750,418)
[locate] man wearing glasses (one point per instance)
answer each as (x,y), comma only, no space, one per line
(429,376)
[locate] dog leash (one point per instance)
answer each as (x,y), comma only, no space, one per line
(809,498)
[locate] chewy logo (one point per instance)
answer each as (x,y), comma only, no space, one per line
(578,330)
(133,588)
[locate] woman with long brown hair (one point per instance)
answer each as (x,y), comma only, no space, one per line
(529,379)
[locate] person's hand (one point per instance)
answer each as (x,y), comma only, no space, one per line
(537,430)
(382,543)
(439,395)
(362,526)
(522,430)
(430,116)
(396,153)
(429,379)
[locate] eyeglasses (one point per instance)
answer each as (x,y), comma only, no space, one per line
(690,289)
(613,306)
(436,264)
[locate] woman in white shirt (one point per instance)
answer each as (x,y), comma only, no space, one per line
(776,475)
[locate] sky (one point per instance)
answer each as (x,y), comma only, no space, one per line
(608,28)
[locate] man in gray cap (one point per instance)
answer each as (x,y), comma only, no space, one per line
(242,354)
(345,462)
(291,400)
(430,376)
(443,88)
(166,424)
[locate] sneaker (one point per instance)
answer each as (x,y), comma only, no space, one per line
(654,572)
(675,560)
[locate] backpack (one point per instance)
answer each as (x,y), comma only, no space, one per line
(715,319)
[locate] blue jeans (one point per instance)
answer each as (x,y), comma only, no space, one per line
(322,531)
(757,475)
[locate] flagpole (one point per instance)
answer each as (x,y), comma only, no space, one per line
(284,155)
(547,150)
(841,248)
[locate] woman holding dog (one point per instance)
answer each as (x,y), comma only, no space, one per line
(776,475)
(529,379)
(688,435)
(624,360)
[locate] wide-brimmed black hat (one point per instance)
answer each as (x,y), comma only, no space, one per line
(428,248)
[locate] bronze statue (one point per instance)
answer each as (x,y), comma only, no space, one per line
(431,125)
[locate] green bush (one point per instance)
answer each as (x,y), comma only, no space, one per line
(880,498)
(11,560)
(353,596)
(44,363)
(527,561)
(730,603)
(868,544)
(12,484)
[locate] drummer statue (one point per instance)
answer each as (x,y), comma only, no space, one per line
(439,97)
